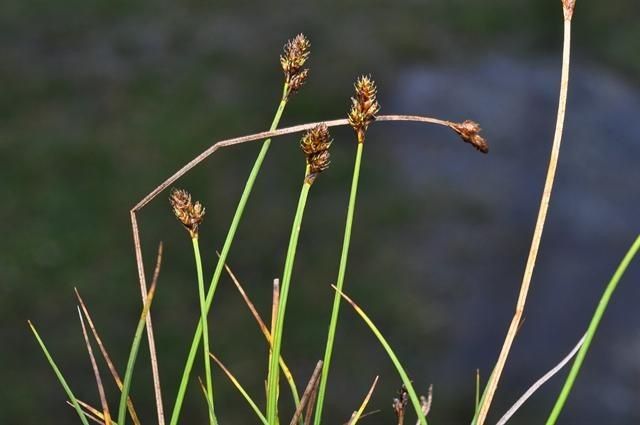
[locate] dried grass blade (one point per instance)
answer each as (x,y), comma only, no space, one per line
(107,358)
(540,382)
(358,413)
(103,399)
(311,387)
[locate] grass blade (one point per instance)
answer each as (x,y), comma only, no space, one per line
(267,334)
(357,414)
(415,401)
(591,331)
(206,396)
(59,375)
(103,399)
(133,353)
(240,389)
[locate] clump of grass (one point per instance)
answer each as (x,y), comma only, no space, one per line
(315,145)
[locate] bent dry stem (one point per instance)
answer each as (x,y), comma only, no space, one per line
(223,256)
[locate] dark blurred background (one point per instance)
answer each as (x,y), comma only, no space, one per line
(101,101)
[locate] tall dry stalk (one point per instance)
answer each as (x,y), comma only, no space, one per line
(568,7)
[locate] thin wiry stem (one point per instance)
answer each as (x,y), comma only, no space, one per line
(537,234)
(539,383)
(96,372)
(150,337)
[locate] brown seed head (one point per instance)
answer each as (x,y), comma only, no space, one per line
(188,213)
(315,144)
(470,133)
(296,53)
(364,106)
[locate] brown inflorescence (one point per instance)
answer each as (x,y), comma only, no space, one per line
(188,213)
(315,144)
(296,53)
(568,6)
(470,133)
(400,404)
(364,106)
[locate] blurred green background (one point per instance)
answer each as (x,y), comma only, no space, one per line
(101,101)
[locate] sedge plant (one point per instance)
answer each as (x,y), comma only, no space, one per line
(364,107)
(296,53)
(315,145)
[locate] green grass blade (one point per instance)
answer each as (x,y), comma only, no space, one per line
(341,273)
(274,369)
(205,331)
(591,331)
(241,390)
(175,414)
(133,354)
(61,379)
(413,396)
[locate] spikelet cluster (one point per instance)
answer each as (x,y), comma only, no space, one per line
(470,133)
(188,213)
(315,144)
(364,106)
(567,7)
(296,53)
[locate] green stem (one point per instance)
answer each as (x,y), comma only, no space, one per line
(222,259)
(205,330)
(133,355)
(341,273)
(274,370)
(593,327)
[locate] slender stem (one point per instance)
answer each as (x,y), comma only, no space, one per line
(339,284)
(133,355)
(274,370)
(221,261)
(537,235)
(591,331)
(205,330)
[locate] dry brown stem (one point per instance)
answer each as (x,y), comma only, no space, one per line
(542,215)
